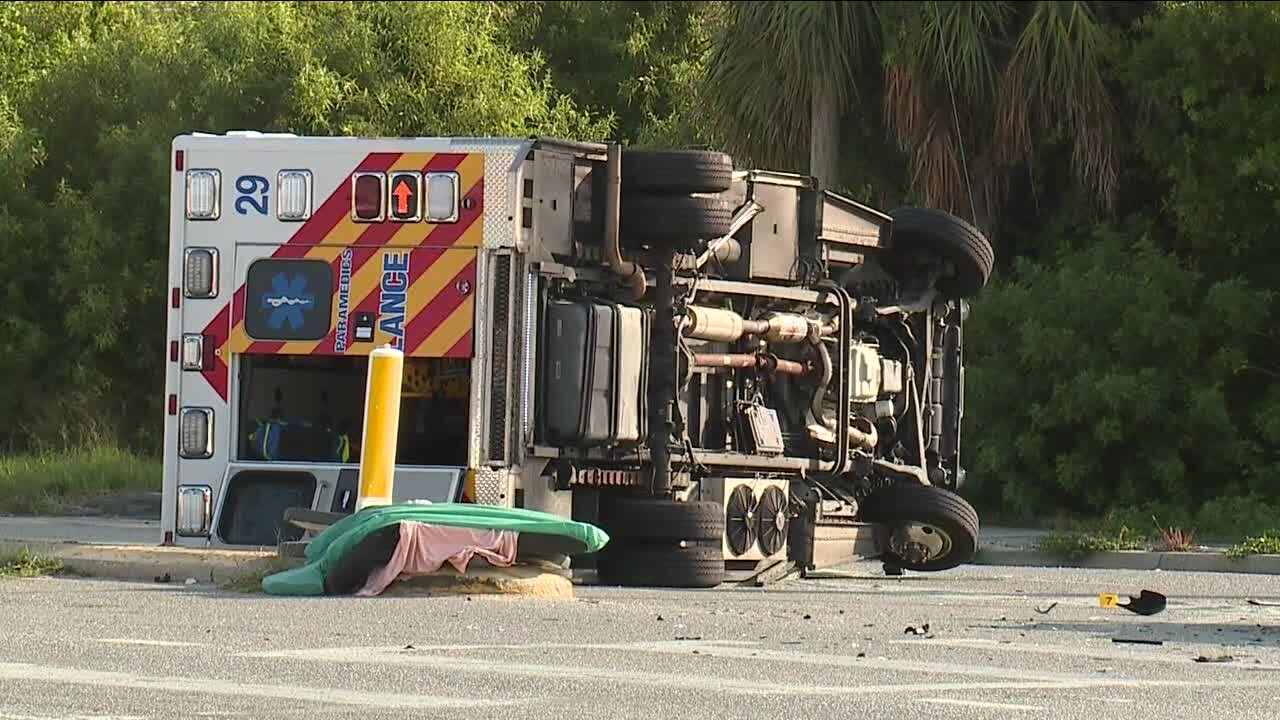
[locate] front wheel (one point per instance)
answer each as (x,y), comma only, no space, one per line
(924,236)
(930,528)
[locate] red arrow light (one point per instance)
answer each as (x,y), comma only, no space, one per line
(402,194)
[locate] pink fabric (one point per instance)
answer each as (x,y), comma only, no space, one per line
(424,549)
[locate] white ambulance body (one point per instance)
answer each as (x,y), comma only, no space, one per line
(719,366)
(291,258)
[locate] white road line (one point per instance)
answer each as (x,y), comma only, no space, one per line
(980,704)
(1004,678)
(12,716)
(153,643)
(189,686)
(1083,653)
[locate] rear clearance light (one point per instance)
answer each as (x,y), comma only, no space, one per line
(442,197)
(195,510)
(200,272)
(294,187)
(368,197)
(193,352)
(204,194)
(195,433)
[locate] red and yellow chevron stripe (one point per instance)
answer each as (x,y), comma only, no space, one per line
(440,282)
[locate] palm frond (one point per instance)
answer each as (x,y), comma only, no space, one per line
(941,79)
(1054,81)
(762,65)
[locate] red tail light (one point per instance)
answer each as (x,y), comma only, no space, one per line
(368,197)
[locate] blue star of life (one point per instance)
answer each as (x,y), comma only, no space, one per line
(288,300)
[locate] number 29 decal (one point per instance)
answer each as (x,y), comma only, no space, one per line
(252,193)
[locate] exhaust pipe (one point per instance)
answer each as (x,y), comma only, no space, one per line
(630,273)
(747,361)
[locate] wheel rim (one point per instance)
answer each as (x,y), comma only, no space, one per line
(920,542)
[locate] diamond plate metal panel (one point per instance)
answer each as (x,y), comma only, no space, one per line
(494,487)
(501,216)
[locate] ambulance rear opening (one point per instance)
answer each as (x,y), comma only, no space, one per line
(291,260)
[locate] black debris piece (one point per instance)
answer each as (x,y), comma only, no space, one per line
(409,647)
(1264,603)
(1136,641)
(911,630)
(1046,611)
(807,616)
(1148,602)
(164,578)
(688,637)
(659,618)
(1214,659)
(862,655)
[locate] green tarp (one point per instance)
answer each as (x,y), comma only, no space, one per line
(323,552)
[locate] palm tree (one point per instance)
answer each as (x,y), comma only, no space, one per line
(967,90)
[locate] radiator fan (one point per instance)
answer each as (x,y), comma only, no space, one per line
(771,514)
(740,519)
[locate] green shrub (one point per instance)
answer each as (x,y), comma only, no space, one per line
(48,482)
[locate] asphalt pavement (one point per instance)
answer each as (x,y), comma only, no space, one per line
(980,647)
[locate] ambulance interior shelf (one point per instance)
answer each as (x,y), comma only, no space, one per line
(309,409)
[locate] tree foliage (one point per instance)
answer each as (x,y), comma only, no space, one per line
(1120,356)
(1133,361)
(97,92)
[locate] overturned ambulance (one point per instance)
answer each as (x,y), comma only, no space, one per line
(722,368)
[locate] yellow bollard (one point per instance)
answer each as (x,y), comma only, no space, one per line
(381,427)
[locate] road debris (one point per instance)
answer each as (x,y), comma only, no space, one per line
(1148,602)
(1046,611)
(923,630)
(1214,659)
(1136,641)
(1264,603)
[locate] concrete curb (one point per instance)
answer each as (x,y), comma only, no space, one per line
(1135,560)
(145,563)
(243,569)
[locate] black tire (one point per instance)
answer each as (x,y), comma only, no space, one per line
(677,220)
(676,172)
(946,237)
(696,566)
(937,509)
(655,520)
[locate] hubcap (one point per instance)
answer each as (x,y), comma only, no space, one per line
(920,542)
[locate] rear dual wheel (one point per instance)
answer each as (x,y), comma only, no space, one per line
(668,197)
(661,543)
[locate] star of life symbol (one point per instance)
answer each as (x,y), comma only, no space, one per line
(288,299)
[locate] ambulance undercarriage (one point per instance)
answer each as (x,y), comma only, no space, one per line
(719,367)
